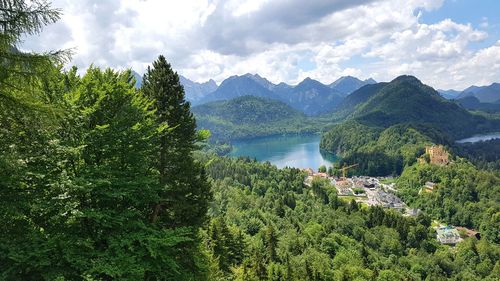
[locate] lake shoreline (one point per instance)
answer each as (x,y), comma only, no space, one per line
(479,137)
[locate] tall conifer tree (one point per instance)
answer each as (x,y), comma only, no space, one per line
(186,192)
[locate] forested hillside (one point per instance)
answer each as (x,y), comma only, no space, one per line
(249,116)
(356,98)
(266,225)
(388,125)
(423,105)
(463,195)
(380,151)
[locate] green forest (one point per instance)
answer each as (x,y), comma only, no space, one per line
(464,195)
(100,180)
(250,117)
(276,229)
(381,151)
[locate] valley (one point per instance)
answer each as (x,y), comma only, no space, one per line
(369,126)
(114,166)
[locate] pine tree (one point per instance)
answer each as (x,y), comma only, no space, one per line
(271,243)
(185,195)
(19,18)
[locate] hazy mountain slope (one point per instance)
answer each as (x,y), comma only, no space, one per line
(309,96)
(449,94)
(485,94)
(489,94)
(348,84)
(238,86)
(195,91)
(473,103)
(261,81)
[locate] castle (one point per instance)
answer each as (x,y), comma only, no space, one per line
(437,155)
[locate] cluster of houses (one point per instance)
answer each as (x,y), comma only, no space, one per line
(373,192)
(367,190)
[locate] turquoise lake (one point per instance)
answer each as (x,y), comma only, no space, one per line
(299,151)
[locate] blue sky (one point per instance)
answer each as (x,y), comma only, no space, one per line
(484,14)
(445,43)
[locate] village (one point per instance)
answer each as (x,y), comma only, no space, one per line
(372,191)
(381,191)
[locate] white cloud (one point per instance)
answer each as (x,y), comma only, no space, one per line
(215,39)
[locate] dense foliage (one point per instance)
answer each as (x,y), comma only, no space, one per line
(463,195)
(79,169)
(484,154)
(380,151)
(78,188)
(266,225)
(249,116)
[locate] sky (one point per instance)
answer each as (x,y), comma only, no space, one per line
(448,44)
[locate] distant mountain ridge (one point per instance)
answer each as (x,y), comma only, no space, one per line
(309,96)
(195,91)
(473,103)
(485,94)
(449,94)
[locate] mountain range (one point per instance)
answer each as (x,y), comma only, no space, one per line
(449,94)
(314,98)
(195,91)
(376,105)
(309,96)
(484,94)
